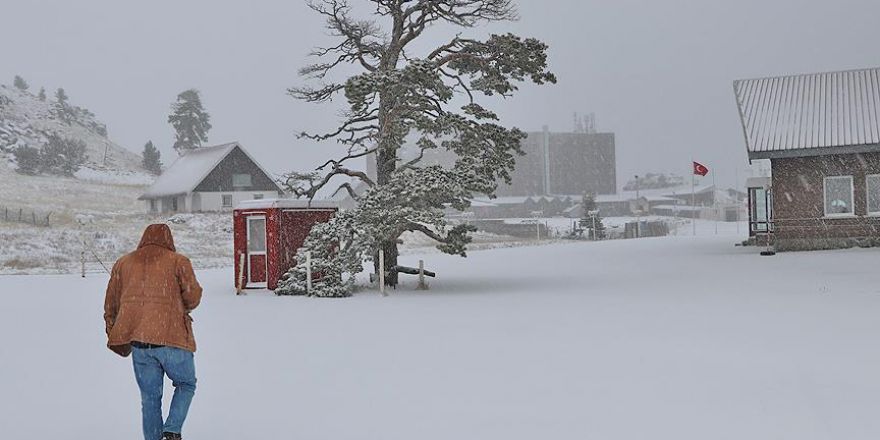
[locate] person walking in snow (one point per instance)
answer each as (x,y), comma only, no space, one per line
(147,314)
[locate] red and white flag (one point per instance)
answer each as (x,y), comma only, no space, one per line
(700,169)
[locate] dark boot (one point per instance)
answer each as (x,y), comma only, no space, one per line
(171,436)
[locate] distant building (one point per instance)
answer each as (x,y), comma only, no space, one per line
(707,202)
(210,179)
(821,134)
(564,164)
(567,164)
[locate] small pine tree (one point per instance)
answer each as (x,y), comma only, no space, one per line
(62,156)
(42,94)
(28,160)
(152,159)
(61,108)
(190,121)
(61,96)
(20,83)
(590,214)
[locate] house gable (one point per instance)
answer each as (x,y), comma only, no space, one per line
(237,162)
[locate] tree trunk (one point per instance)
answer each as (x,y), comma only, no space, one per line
(386,157)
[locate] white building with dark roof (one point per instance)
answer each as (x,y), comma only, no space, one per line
(210,179)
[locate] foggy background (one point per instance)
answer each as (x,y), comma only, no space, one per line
(658,73)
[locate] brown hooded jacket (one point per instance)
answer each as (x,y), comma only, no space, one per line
(150,294)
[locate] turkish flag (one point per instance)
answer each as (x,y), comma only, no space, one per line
(700,169)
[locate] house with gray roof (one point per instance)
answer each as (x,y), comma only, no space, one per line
(210,179)
(821,134)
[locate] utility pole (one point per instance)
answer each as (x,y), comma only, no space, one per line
(638,210)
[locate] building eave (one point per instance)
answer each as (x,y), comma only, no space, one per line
(814,152)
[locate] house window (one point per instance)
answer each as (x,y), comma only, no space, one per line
(839,196)
(174,204)
(241,180)
(227,200)
(873,182)
(258,197)
(152,205)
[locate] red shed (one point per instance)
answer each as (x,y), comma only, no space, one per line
(267,234)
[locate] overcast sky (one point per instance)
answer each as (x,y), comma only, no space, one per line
(658,73)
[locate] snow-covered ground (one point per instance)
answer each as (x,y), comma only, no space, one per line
(672,338)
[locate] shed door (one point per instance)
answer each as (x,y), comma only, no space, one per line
(256,251)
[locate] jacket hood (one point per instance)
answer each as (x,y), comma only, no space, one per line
(158,235)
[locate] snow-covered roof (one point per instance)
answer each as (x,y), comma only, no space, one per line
(185,174)
(678,207)
(808,115)
(287,204)
(517,200)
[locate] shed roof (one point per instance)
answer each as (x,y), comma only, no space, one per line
(185,174)
(287,204)
(812,114)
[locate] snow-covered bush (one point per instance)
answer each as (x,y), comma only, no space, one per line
(62,156)
(28,160)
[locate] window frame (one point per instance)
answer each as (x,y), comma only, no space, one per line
(250,182)
(223,201)
(868,195)
(852,197)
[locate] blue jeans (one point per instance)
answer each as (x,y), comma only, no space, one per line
(150,367)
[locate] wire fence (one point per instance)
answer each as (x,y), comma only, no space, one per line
(26,216)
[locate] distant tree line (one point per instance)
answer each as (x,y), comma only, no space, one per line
(188,117)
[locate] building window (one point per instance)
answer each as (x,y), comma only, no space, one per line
(152,205)
(873,182)
(258,197)
(839,196)
(227,200)
(241,180)
(174,204)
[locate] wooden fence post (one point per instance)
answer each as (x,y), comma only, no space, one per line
(422,284)
(309,272)
(240,286)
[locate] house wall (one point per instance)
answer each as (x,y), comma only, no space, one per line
(799,207)
(213,201)
(205,201)
(166,204)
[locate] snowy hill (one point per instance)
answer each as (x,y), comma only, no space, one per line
(26,120)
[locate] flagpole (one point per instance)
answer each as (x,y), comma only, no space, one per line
(715,202)
(693,197)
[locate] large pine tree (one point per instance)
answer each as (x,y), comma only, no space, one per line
(152,159)
(190,121)
(426,99)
